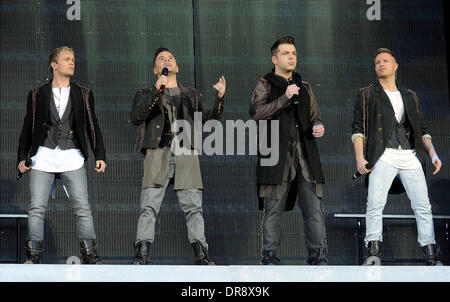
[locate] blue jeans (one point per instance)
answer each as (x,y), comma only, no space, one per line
(76,185)
(415,185)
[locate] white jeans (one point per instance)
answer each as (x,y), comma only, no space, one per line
(415,185)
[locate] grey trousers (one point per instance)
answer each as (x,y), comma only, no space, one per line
(190,201)
(76,185)
(313,220)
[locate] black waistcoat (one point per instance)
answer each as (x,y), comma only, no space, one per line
(60,131)
(401,134)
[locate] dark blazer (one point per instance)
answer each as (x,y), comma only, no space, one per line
(35,128)
(374,117)
(148,112)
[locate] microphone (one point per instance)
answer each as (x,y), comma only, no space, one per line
(28,162)
(357,174)
(164,72)
(295,96)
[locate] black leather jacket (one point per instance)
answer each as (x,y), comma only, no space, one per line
(148,113)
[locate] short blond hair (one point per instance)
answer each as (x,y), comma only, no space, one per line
(54,56)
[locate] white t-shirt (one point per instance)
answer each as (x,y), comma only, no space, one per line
(398,158)
(397,103)
(57,160)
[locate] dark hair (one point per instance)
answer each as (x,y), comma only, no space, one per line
(284,40)
(384,50)
(158,51)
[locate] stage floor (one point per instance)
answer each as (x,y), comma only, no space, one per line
(232,273)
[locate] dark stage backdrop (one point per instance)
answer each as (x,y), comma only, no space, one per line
(114,43)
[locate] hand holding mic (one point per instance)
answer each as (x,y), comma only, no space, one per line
(28,163)
(358,174)
(164,72)
(292,91)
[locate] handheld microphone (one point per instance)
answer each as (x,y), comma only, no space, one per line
(28,163)
(164,72)
(357,174)
(295,96)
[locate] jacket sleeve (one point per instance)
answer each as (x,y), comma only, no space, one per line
(95,137)
(213,113)
(143,104)
(260,109)
(316,117)
(25,138)
(358,116)
(423,126)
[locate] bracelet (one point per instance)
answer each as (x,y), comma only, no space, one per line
(434,157)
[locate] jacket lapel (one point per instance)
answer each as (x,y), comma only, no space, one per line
(45,99)
(68,110)
(52,105)
(188,101)
(383,97)
(406,100)
(76,101)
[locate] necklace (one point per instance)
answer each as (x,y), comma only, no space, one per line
(57,101)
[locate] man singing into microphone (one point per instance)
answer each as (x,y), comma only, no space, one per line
(155,109)
(390,135)
(282,96)
(59,115)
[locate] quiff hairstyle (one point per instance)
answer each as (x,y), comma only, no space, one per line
(285,40)
(54,56)
(384,50)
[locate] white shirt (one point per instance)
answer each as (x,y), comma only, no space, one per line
(61,98)
(398,158)
(57,160)
(397,103)
(401,159)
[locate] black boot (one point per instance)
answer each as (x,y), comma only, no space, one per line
(431,253)
(201,255)
(374,251)
(270,258)
(143,251)
(374,248)
(318,256)
(33,250)
(89,252)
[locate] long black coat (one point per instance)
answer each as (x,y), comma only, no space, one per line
(269,102)
(34,128)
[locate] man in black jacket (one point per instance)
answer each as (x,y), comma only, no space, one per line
(58,115)
(282,96)
(155,109)
(391,138)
